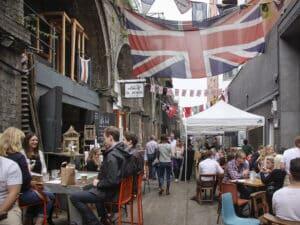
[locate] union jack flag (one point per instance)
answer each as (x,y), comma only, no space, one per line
(194,53)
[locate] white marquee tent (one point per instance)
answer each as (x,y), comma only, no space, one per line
(223,117)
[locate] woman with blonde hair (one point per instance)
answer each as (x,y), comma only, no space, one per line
(12,138)
(272,176)
(10,186)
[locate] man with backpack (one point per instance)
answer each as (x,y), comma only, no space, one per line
(106,187)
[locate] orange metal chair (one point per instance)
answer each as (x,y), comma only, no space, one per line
(44,203)
(231,188)
(125,198)
(140,199)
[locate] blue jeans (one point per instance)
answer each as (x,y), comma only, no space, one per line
(151,158)
(30,197)
(164,167)
(176,167)
(81,198)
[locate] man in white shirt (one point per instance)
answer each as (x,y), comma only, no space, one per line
(10,186)
(285,201)
(290,154)
(207,166)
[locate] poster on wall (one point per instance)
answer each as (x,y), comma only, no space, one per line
(103,120)
(134,90)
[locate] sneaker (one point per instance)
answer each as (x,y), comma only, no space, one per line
(176,180)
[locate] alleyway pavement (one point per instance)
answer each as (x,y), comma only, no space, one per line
(175,209)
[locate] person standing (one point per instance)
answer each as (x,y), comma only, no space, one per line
(177,159)
(10,186)
(247,149)
(290,154)
(188,162)
(165,164)
(150,155)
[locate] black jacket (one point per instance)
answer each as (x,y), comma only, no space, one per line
(112,170)
(137,160)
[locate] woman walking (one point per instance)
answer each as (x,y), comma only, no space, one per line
(165,164)
(177,159)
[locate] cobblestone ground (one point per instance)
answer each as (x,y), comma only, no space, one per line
(175,209)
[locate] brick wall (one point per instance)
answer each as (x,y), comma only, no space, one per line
(13,9)
(10,91)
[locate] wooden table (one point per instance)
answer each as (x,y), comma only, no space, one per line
(256,183)
(55,186)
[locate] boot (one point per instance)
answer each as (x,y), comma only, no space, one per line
(168,190)
(161,191)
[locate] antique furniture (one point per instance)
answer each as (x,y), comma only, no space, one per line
(71,141)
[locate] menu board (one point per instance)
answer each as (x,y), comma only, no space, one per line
(103,120)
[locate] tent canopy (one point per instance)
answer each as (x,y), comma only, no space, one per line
(223,117)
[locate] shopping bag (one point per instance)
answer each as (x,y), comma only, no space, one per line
(67,174)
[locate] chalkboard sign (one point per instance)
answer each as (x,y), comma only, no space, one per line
(103,120)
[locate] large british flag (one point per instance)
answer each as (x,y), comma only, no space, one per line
(195,53)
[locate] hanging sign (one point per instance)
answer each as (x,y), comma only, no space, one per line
(134,90)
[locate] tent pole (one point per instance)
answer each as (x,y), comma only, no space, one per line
(186,146)
(264,138)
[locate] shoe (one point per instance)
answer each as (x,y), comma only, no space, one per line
(161,191)
(167,192)
(176,180)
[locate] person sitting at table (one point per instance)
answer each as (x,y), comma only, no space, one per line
(34,157)
(93,160)
(238,168)
(285,201)
(106,186)
(10,186)
(207,166)
(272,176)
(130,140)
(13,137)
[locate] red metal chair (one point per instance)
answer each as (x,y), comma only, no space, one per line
(44,200)
(125,198)
(140,199)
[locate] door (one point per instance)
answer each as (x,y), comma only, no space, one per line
(50,113)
